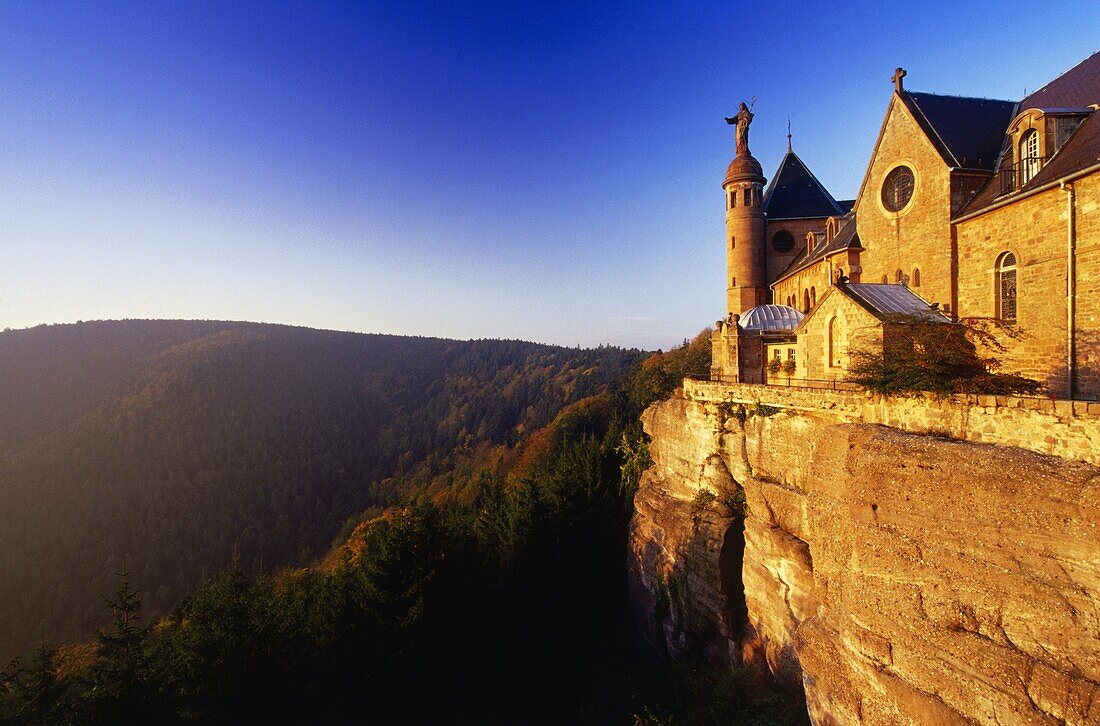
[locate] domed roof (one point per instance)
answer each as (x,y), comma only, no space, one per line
(744,167)
(770,317)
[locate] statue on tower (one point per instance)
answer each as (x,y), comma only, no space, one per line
(742,121)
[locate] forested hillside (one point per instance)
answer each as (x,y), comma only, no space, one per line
(167,448)
(501,598)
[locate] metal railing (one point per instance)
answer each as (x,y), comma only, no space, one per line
(779,381)
(1012,176)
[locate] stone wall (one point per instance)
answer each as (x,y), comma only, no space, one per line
(1069,429)
(793,290)
(839,325)
(1034,229)
(918,236)
(778,262)
(896,577)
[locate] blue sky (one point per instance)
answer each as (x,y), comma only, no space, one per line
(548,171)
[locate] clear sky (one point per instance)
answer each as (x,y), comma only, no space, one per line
(545,171)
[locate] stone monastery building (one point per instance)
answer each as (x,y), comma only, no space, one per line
(969,208)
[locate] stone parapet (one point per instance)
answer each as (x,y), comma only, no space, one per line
(1067,429)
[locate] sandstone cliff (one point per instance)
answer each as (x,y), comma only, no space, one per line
(897,577)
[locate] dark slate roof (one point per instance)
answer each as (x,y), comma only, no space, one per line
(886,301)
(846,238)
(795,193)
(1076,88)
(967,131)
(846,204)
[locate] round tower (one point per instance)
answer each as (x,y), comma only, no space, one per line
(746,283)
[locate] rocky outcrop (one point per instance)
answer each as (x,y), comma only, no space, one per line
(895,577)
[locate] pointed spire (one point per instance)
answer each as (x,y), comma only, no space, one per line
(789,149)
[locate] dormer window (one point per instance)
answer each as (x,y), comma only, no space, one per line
(830,229)
(1029,156)
(1034,137)
(811,241)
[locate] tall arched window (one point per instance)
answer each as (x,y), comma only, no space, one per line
(885,279)
(813,296)
(833,342)
(1029,156)
(805,301)
(1006,287)
(898,277)
(916,277)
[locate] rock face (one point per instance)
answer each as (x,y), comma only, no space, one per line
(896,577)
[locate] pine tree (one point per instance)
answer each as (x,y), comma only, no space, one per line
(118,691)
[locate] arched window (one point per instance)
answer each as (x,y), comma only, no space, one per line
(805,301)
(813,296)
(1006,287)
(830,229)
(1029,156)
(833,361)
(885,279)
(898,277)
(916,277)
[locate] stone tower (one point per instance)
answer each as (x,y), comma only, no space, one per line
(746,284)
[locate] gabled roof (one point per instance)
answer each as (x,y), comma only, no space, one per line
(795,193)
(1078,87)
(885,302)
(967,131)
(846,238)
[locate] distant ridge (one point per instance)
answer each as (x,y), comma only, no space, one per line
(164,447)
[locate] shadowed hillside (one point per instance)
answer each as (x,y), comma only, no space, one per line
(498,597)
(166,447)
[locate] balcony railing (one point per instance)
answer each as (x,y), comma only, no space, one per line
(1014,176)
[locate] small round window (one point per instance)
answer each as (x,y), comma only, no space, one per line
(783,241)
(897,190)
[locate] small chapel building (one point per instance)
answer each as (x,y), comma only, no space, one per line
(969,208)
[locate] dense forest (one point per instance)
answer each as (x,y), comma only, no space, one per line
(499,599)
(170,449)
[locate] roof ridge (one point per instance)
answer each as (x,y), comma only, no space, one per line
(955,95)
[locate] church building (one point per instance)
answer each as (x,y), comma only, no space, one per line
(969,208)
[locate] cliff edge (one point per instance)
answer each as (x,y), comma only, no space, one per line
(894,576)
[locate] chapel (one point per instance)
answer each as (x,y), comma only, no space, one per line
(970,208)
